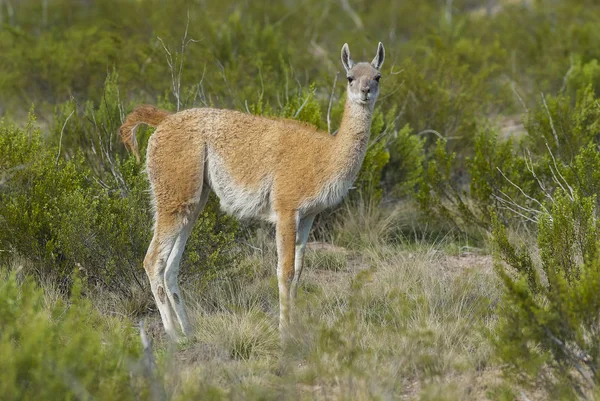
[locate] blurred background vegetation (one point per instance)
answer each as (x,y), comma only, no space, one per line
(484,139)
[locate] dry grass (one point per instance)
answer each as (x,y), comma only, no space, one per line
(381,317)
(377,321)
(391,324)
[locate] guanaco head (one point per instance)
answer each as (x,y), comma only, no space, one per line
(363,78)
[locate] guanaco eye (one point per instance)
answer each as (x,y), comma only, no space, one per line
(350,79)
(377,78)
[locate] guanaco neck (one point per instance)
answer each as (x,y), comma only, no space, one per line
(350,143)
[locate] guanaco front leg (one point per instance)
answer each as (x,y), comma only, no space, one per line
(286,245)
(301,238)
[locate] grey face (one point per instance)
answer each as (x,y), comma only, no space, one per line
(363,78)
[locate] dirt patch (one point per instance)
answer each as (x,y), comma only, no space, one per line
(469,261)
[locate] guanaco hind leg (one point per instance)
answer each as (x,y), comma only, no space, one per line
(176,174)
(172,270)
(165,235)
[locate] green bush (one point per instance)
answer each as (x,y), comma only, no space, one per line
(405,168)
(65,350)
(512,178)
(442,96)
(55,213)
(580,75)
(563,124)
(549,325)
(91,210)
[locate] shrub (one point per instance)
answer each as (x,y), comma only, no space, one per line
(582,74)
(548,321)
(64,350)
(564,125)
(56,214)
(91,210)
(447,92)
(513,179)
(405,168)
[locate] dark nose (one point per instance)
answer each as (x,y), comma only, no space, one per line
(366,89)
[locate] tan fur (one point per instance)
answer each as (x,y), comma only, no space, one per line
(280,170)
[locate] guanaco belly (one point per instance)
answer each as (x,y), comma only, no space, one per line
(242,201)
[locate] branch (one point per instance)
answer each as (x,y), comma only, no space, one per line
(529,165)
(61,135)
(169,58)
(352,14)
(511,202)
(521,190)
(431,131)
(575,355)
(149,366)
(514,89)
(571,192)
(385,131)
(331,102)
(551,122)
(302,106)
(176,63)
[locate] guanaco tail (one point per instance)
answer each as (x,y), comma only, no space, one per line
(279,170)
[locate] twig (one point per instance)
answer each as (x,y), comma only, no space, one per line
(61,135)
(169,58)
(521,190)
(200,88)
(566,77)
(431,131)
(531,220)
(511,202)
(352,14)
(392,72)
(149,365)
(529,165)
(385,131)
(179,58)
(302,106)
(551,122)
(393,92)
(262,83)
(514,89)
(331,102)
(571,192)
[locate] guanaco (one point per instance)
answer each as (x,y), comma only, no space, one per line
(279,170)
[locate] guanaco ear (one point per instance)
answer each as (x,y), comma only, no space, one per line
(346,60)
(378,60)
